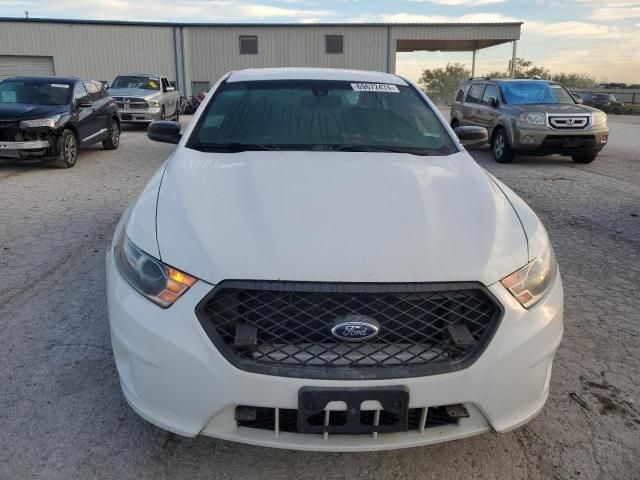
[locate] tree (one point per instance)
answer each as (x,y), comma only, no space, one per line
(441,83)
(575,80)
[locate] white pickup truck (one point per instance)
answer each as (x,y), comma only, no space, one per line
(143,97)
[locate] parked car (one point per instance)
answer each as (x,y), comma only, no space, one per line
(321,265)
(51,118)
(143,97)
(530,117)
(603,101)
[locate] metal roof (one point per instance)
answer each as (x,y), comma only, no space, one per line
(246,24)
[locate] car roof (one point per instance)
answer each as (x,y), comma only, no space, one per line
(139,74)
(257,74)
(64,80)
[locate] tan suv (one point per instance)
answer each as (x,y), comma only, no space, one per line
(530,117)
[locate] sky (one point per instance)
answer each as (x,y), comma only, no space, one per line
(597,37)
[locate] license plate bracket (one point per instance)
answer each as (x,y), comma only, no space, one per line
(313,400)
(570,142)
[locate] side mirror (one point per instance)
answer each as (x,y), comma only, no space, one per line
(579,101)
(493,102)
(472,137)
(85,103)
(164,131)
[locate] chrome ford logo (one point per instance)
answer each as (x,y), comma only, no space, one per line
(355,328)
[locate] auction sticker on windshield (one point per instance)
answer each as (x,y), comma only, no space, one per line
(374,87)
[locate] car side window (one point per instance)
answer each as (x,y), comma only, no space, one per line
(93,91)
(490,93)
(80,93)
(460,95)
(475,94)
(165,84)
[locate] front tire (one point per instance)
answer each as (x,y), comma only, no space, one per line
(113,141)
(500,148)
(584,158)
(68,151)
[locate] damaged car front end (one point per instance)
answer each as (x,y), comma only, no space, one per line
(49,118)
(35,139)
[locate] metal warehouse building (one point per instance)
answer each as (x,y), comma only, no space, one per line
(196,55)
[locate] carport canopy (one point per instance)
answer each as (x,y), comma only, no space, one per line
(457,37)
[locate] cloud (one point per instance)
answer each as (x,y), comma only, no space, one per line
(165,10)
(469,18)
(616,13)
(460,3)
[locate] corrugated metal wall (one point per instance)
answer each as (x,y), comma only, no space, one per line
(215,51)
(97,52)
(101,51)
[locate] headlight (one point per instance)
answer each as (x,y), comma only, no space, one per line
(529,284)
(533,118)
(158,282)
(51,122)
(599,118)
(154,103)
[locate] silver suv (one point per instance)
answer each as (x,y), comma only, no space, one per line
(530,117)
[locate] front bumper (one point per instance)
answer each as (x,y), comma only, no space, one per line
(173,376)
(140,116)
(35,150)
(545,141)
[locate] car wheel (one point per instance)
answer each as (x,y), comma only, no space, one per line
(68,151)
(584,158)
(113,141)
(502,152)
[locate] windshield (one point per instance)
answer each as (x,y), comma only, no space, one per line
(320,115)
(535,93)
(34,92)
(136,81)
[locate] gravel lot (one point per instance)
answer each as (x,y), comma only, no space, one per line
(62,414)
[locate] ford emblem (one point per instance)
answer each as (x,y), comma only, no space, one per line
(355,328)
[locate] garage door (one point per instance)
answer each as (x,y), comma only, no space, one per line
(11,65)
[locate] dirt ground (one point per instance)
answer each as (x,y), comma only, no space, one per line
(62,414)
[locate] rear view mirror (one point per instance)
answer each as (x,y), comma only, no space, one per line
(164,131)
(472,137)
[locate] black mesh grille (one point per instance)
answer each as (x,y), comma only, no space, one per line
(284,328)
(265,418)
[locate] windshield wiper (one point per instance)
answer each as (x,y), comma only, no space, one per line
(380,148)
(231,147)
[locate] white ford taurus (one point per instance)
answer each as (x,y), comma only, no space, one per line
(321,265)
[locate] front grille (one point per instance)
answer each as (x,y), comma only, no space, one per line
(575,122)
(263,418)
(285,328)
(133,103)
(8,131)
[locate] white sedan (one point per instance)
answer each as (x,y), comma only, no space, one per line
(321,265)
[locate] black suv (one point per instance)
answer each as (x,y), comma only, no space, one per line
(604,101)
(50,118)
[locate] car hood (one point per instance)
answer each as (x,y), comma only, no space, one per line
(131,92)
(347,217)
(25,111)
(555,109)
